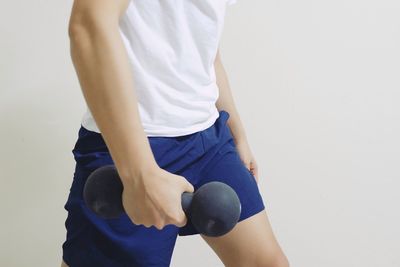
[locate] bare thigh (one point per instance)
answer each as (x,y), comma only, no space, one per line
(250,243)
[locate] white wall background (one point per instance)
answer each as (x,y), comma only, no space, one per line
(317,85)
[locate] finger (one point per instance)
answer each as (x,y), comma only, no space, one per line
(246,164)
(147,225)
(179,219)
(254,170)
(160,224)
(160,221)
(187,186)
(182,220)
(256,175)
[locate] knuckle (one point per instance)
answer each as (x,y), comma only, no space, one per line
(137,222)
(181,223)
(179,220)
(146,224)
(159,226)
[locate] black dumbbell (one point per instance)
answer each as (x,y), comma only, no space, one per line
(213,209)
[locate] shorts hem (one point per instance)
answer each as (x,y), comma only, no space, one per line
(251,213)
(243,217)
(66,261)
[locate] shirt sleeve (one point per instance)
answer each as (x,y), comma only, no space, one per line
(231,2)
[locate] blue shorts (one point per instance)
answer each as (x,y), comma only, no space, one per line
(201,157)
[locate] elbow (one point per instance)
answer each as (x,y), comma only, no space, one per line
(78,28)
(81,33)
(85,25)
(81,25)
(77,32)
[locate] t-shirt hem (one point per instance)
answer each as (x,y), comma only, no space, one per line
(191,130)
(186,131)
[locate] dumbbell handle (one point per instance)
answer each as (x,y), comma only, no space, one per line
(214,208)
(187,198)
(107,203)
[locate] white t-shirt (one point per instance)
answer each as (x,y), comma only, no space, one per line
(172,45)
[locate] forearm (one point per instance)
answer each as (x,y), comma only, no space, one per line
(103,69)
(226,102)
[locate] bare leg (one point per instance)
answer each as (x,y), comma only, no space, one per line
(63,264)
(251,243)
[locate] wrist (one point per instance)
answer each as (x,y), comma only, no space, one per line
(136,171)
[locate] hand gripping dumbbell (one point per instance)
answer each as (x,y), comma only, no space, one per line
(214,208)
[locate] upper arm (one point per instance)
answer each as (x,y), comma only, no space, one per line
(93,12)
